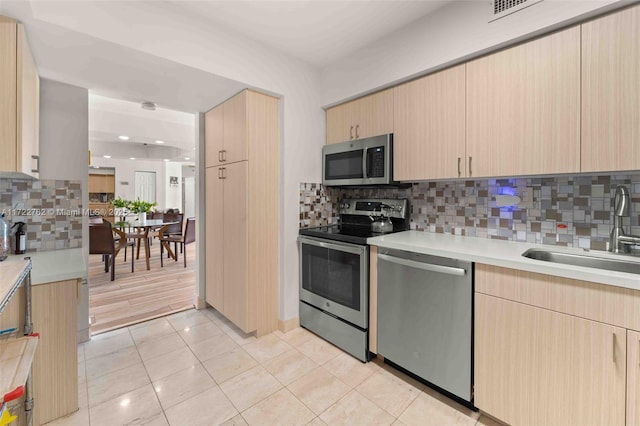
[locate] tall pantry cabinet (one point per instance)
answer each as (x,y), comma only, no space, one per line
(242,210)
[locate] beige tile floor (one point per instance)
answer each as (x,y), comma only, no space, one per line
(195,368)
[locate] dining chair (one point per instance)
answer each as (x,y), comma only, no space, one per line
(153,232)
(107,241)
(188,237)
(176,228)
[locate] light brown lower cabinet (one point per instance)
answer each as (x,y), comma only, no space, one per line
(55,367)
(538,367)
(633,378)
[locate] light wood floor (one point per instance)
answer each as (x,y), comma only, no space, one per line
(141,295)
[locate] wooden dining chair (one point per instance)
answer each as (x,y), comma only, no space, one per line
(107,241)
(188,237)
(176,228)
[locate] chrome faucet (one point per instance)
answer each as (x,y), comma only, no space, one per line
(619,242)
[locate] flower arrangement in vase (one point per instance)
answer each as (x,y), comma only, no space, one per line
(141,208)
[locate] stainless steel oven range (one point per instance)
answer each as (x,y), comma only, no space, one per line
(334,271)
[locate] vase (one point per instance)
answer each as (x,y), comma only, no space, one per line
(142,217)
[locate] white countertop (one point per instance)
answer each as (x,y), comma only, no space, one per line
(507,254)
(50,266)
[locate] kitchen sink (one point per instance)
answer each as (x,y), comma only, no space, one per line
(609,264)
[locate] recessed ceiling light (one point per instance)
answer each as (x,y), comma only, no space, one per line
(166,159)
(106,156)
(159,141)
(148,105)
(132,158)
(187,158)
(123,138)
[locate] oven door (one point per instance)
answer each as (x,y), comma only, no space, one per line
(334,277)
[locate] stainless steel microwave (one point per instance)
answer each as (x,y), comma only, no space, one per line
(362,162)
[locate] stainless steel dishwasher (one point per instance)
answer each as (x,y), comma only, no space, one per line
(425,317)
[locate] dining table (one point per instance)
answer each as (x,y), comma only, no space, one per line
(142,228)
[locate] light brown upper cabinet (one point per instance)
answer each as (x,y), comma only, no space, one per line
(102,183)
(226,132)
(611,92)
(214,135)
(523,108)
(429,127)
(19,102)
(365,117)
(242,211)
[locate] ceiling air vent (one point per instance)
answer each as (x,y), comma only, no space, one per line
(501,8)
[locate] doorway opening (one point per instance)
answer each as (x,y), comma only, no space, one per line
(145,153)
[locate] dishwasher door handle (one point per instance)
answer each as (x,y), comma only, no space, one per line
(424,266)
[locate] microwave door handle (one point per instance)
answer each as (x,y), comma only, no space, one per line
(365,163)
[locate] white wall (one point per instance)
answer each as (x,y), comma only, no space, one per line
(456,31)
(64,135)
(126,171)
(156,31)
(173,194)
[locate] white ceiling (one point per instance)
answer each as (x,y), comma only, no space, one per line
(316,31)
(110,118)
(119,77)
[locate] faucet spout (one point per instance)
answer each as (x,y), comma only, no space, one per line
(621,202)
(619,241)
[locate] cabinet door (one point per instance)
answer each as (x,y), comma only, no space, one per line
(214,272)
(28,108)
(8,94)
(110,184)
(611,92)
(633,377)
(534,366)
(235,129)
(95,184)
(214,135)
(362,118)
(55,366)
(339,123)
(236,291)
(523,108)
(373,115)
(429,127)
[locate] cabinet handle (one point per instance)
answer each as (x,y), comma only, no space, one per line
(224,173)
(459,172)
(470,172)
(224,155)
(220,156)
(638,352)
(357,127)
(220,173)
(37,169)
(614,347)
(351,133)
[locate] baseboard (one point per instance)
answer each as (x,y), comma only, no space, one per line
(288,325)
(199,302)
(84,335)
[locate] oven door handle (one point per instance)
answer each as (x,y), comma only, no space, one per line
(355,249)
(424,266)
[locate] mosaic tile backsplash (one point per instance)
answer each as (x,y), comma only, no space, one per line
(51,210)
(573,211)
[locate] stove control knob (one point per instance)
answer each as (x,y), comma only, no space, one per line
(344,206)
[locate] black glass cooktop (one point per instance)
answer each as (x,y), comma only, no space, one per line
(348,234)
